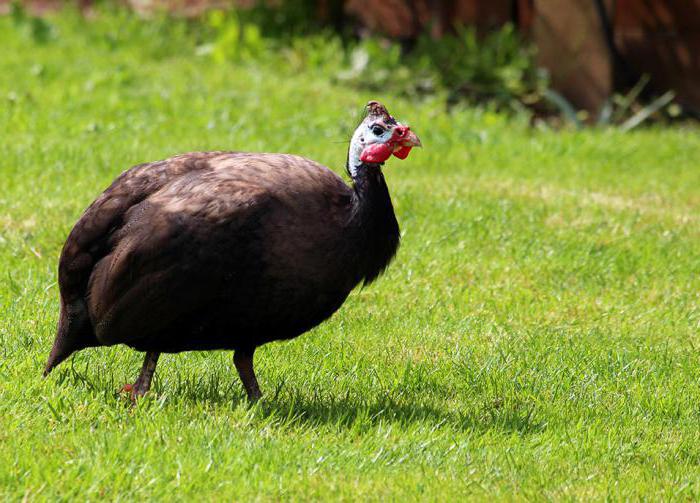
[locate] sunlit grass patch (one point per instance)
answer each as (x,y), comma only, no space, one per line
(536,336)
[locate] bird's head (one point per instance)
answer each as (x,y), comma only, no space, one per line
(379,136)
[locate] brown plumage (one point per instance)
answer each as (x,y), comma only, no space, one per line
(226,250)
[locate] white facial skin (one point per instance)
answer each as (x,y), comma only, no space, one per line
(372,130)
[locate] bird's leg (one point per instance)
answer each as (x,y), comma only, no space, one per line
(244,364)
(143,381)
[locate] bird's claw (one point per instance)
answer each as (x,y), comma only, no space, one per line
(134,391)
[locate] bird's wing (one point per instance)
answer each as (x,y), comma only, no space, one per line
(161,240)
(88,241)
(173,254)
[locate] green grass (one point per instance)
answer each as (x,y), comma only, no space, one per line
(536,337)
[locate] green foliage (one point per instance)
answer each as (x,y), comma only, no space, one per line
(285,19)
(320,53)
(34,28)
(378,65)
(629,111)
(497,68)
(235,40)
(536,337)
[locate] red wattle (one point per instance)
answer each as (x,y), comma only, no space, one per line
(379,152)
(402,152)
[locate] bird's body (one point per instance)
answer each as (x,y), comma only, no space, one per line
(220,250)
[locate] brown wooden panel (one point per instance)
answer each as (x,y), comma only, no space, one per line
(658,14)
(572,47)
(662,39)
(484,14)
(408,18)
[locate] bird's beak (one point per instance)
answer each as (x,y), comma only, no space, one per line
(404,141)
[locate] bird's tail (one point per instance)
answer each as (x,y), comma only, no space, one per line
(74,333)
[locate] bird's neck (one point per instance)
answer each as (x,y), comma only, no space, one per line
(373,220)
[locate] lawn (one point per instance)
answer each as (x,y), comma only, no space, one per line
(535,338)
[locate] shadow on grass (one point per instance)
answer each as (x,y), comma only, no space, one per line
(349,411)
(407,411)
(292,406)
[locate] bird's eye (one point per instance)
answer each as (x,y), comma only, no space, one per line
(378,130)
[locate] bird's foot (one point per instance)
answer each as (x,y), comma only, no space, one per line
(254,396)
(135,391)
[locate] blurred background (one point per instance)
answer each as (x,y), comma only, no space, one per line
(621,62)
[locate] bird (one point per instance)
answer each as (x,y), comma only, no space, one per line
(227,250)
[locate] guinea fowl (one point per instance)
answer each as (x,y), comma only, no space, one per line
(227,250)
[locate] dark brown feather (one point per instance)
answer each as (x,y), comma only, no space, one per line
(219,250)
